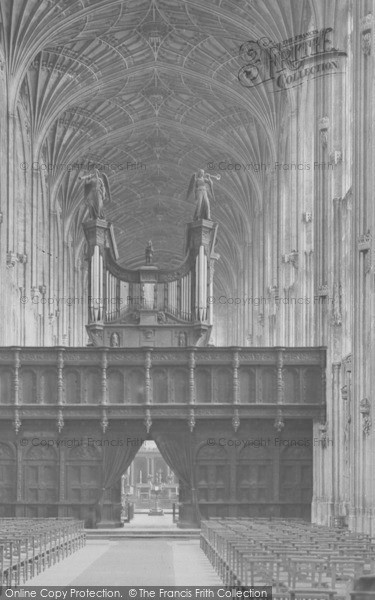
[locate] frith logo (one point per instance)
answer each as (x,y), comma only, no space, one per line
(286,64)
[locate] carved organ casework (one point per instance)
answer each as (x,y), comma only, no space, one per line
(149,306)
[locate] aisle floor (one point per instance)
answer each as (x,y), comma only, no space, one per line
(144,521)
(137,562)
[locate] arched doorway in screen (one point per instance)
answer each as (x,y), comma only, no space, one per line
(149,488)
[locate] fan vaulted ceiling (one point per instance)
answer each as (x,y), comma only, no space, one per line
(150,87)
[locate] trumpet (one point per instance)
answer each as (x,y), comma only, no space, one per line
(218,177)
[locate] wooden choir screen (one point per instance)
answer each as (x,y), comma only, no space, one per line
(41,481)
(7,479)
(257,472)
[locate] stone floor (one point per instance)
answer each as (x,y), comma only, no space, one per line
(132,562)
(137,562)
(143,521)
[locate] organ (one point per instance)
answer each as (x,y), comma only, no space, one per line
(149,306)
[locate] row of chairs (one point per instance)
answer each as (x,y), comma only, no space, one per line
(296,558)
(29,546)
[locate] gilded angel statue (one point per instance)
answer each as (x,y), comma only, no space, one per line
(199,183)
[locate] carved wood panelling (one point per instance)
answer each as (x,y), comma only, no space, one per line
(159,382)
(116,386)
(223,378)
(41,475)
(93,389)
(247,385)
(203,385)
(269,385)
(82,474)
(6,386)
(296,479)
(28,386)
(7,475)
(72,386)
(212,468)
(291,379)
(213,378)
(135,386)
(48,386)
(265,477)
(180,379)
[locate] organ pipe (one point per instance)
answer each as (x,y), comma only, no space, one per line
(108,310)
(183,282)
(183,294)
(210,293)
(197,287)
(173,296)
(91,305)
(124,293)
(100,285)
(199,282)
(201,285)
(189,294)
(95,282)
(204,286)
(112,292)
(185,297)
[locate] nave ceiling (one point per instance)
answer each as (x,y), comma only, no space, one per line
(152,83)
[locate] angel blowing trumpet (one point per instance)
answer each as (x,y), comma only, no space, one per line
(199,183)
(96,193)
